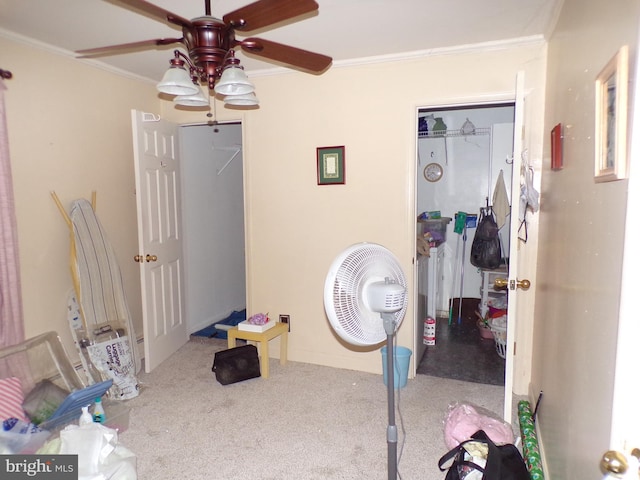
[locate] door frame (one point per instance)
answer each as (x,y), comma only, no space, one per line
(178,127)
(470,102)
(187,269)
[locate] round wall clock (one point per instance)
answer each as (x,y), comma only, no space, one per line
(433,172)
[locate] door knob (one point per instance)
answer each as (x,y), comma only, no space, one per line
(513,284)
(151,258)
(617,463)
(138,258)
(614,462)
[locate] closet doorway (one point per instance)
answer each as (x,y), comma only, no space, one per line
(464,155)
(212,183)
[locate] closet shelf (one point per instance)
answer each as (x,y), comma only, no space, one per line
(455,133)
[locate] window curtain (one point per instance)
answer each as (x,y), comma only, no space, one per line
(11,321)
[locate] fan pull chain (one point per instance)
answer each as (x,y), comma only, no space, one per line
(213,123)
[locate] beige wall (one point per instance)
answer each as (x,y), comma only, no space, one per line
(76,143)
(69,132)
(296,228)
(582,227)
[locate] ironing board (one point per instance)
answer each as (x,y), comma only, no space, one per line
(99,315)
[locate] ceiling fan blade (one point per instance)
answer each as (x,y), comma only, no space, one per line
(263,13)
(156,12)
(117,49)
(296,57)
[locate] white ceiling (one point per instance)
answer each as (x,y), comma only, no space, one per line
(343,29)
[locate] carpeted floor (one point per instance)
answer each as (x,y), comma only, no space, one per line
(460,353)
(304,422)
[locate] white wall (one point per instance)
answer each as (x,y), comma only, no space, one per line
(213,222)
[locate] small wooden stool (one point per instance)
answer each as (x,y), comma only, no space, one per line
(263,339)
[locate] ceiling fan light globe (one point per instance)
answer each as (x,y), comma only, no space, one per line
(197,100)
(176,81)
(234,81)
(246,100)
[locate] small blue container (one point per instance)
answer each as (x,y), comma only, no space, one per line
(401,359)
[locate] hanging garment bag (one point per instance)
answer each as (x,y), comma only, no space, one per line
(486,250)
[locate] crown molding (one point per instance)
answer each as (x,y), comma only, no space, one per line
(30,42)
(532,40)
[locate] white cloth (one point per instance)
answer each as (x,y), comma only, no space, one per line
(100,455)
(501,207)
(529,196)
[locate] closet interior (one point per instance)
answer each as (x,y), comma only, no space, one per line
(463,169)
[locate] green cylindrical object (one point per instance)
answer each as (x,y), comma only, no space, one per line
(530,449)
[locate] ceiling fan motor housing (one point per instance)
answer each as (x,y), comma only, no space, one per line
(208,43)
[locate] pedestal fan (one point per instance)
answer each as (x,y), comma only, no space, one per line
(365,300)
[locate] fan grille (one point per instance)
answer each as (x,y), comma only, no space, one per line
(345,300)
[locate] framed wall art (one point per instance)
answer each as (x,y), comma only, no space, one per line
(330,165)
(611,118)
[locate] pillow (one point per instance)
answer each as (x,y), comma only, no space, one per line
(11,399)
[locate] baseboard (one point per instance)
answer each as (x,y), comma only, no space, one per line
(543,457)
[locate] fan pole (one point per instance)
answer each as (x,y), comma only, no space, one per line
(392,430)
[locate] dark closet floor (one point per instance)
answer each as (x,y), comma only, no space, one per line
(460,353)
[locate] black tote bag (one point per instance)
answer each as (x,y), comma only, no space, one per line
(504,462)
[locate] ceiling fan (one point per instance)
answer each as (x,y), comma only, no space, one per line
(211,42)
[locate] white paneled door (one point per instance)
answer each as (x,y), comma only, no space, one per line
(514,282)
(156,156)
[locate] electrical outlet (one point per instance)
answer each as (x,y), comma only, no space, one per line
(285,319)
